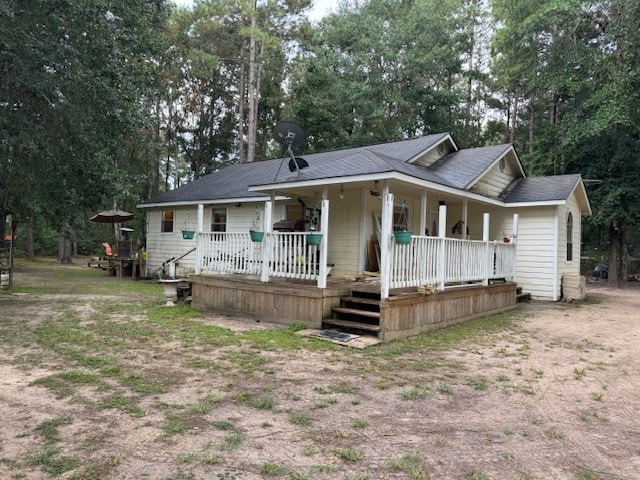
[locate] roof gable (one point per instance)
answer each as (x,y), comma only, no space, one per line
(465,167)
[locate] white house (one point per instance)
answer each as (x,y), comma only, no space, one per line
(473,213)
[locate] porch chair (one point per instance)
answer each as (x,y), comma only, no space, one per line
(108,252)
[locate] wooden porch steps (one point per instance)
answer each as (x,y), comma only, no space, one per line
(358,313)
(348,324)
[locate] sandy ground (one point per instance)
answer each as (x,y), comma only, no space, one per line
(554,396)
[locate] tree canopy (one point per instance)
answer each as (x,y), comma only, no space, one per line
(106,102)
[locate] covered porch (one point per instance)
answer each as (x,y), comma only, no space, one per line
(421,237)
(424,281)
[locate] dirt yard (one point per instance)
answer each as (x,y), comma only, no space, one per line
(98,380)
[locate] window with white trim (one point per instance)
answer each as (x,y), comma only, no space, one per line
(570,237)
(166,225)
(219,220)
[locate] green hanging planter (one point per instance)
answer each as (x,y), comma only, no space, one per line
(314,238)
(188,234)
(256,236)
(402,238)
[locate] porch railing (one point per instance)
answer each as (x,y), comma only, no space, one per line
(424,261)
(287,254)
(438,261)
(225,253)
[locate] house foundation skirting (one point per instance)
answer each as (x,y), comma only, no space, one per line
(405,316)
(401,316)
(283,302)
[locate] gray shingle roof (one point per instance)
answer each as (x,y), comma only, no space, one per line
(361,161)
(463,167)
(458,170)
(541,189)
(234,181)
(226,184)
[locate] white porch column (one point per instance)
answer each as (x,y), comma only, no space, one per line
(268,240)
(487,256)
(514,241)
(465,214)
(442,233)
(362,241)
(424,214)
(385,241)
(324,228)
(199,230)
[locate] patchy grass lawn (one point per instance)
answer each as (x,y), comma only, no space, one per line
(100,380)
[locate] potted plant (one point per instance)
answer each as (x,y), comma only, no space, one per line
(256,232)
(401,233)
(314,237)
(187,234)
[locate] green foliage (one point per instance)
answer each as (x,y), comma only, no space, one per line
(379,71)
(72,104)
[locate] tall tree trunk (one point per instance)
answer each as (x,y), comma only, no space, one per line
(470,66)
(532,117)
(253,93)
(514,118)
(242,88)
(624,254)
(614,255)
(64,247)
(154,174)
(29,250)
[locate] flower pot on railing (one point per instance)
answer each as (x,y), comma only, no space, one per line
(314,238)
(187,234)
(256,236)
(402,237)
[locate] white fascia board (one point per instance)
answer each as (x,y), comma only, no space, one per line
(497,159)
(225,201)
(434,146)
(546,203)
(380,176)
(515,154)
(583,193)
(320,182)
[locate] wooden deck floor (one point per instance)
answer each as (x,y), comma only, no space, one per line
(404,314)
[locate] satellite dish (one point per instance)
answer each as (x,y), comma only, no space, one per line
(299,164)
(290,135)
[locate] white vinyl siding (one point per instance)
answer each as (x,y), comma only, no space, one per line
(164,246)
(535,243)
(344,233)
(495,181)
(536,248)
(569,271)
(434,154)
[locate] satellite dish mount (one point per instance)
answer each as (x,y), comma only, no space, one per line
(290,135)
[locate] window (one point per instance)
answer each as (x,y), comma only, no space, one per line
(166,225)
(570,237)
(219,220)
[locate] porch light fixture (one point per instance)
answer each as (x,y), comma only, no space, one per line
(341,194)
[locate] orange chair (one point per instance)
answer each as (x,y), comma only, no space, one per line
(108,253)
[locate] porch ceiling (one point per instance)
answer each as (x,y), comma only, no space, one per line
(396,187)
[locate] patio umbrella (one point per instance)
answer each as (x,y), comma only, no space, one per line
(112,216)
